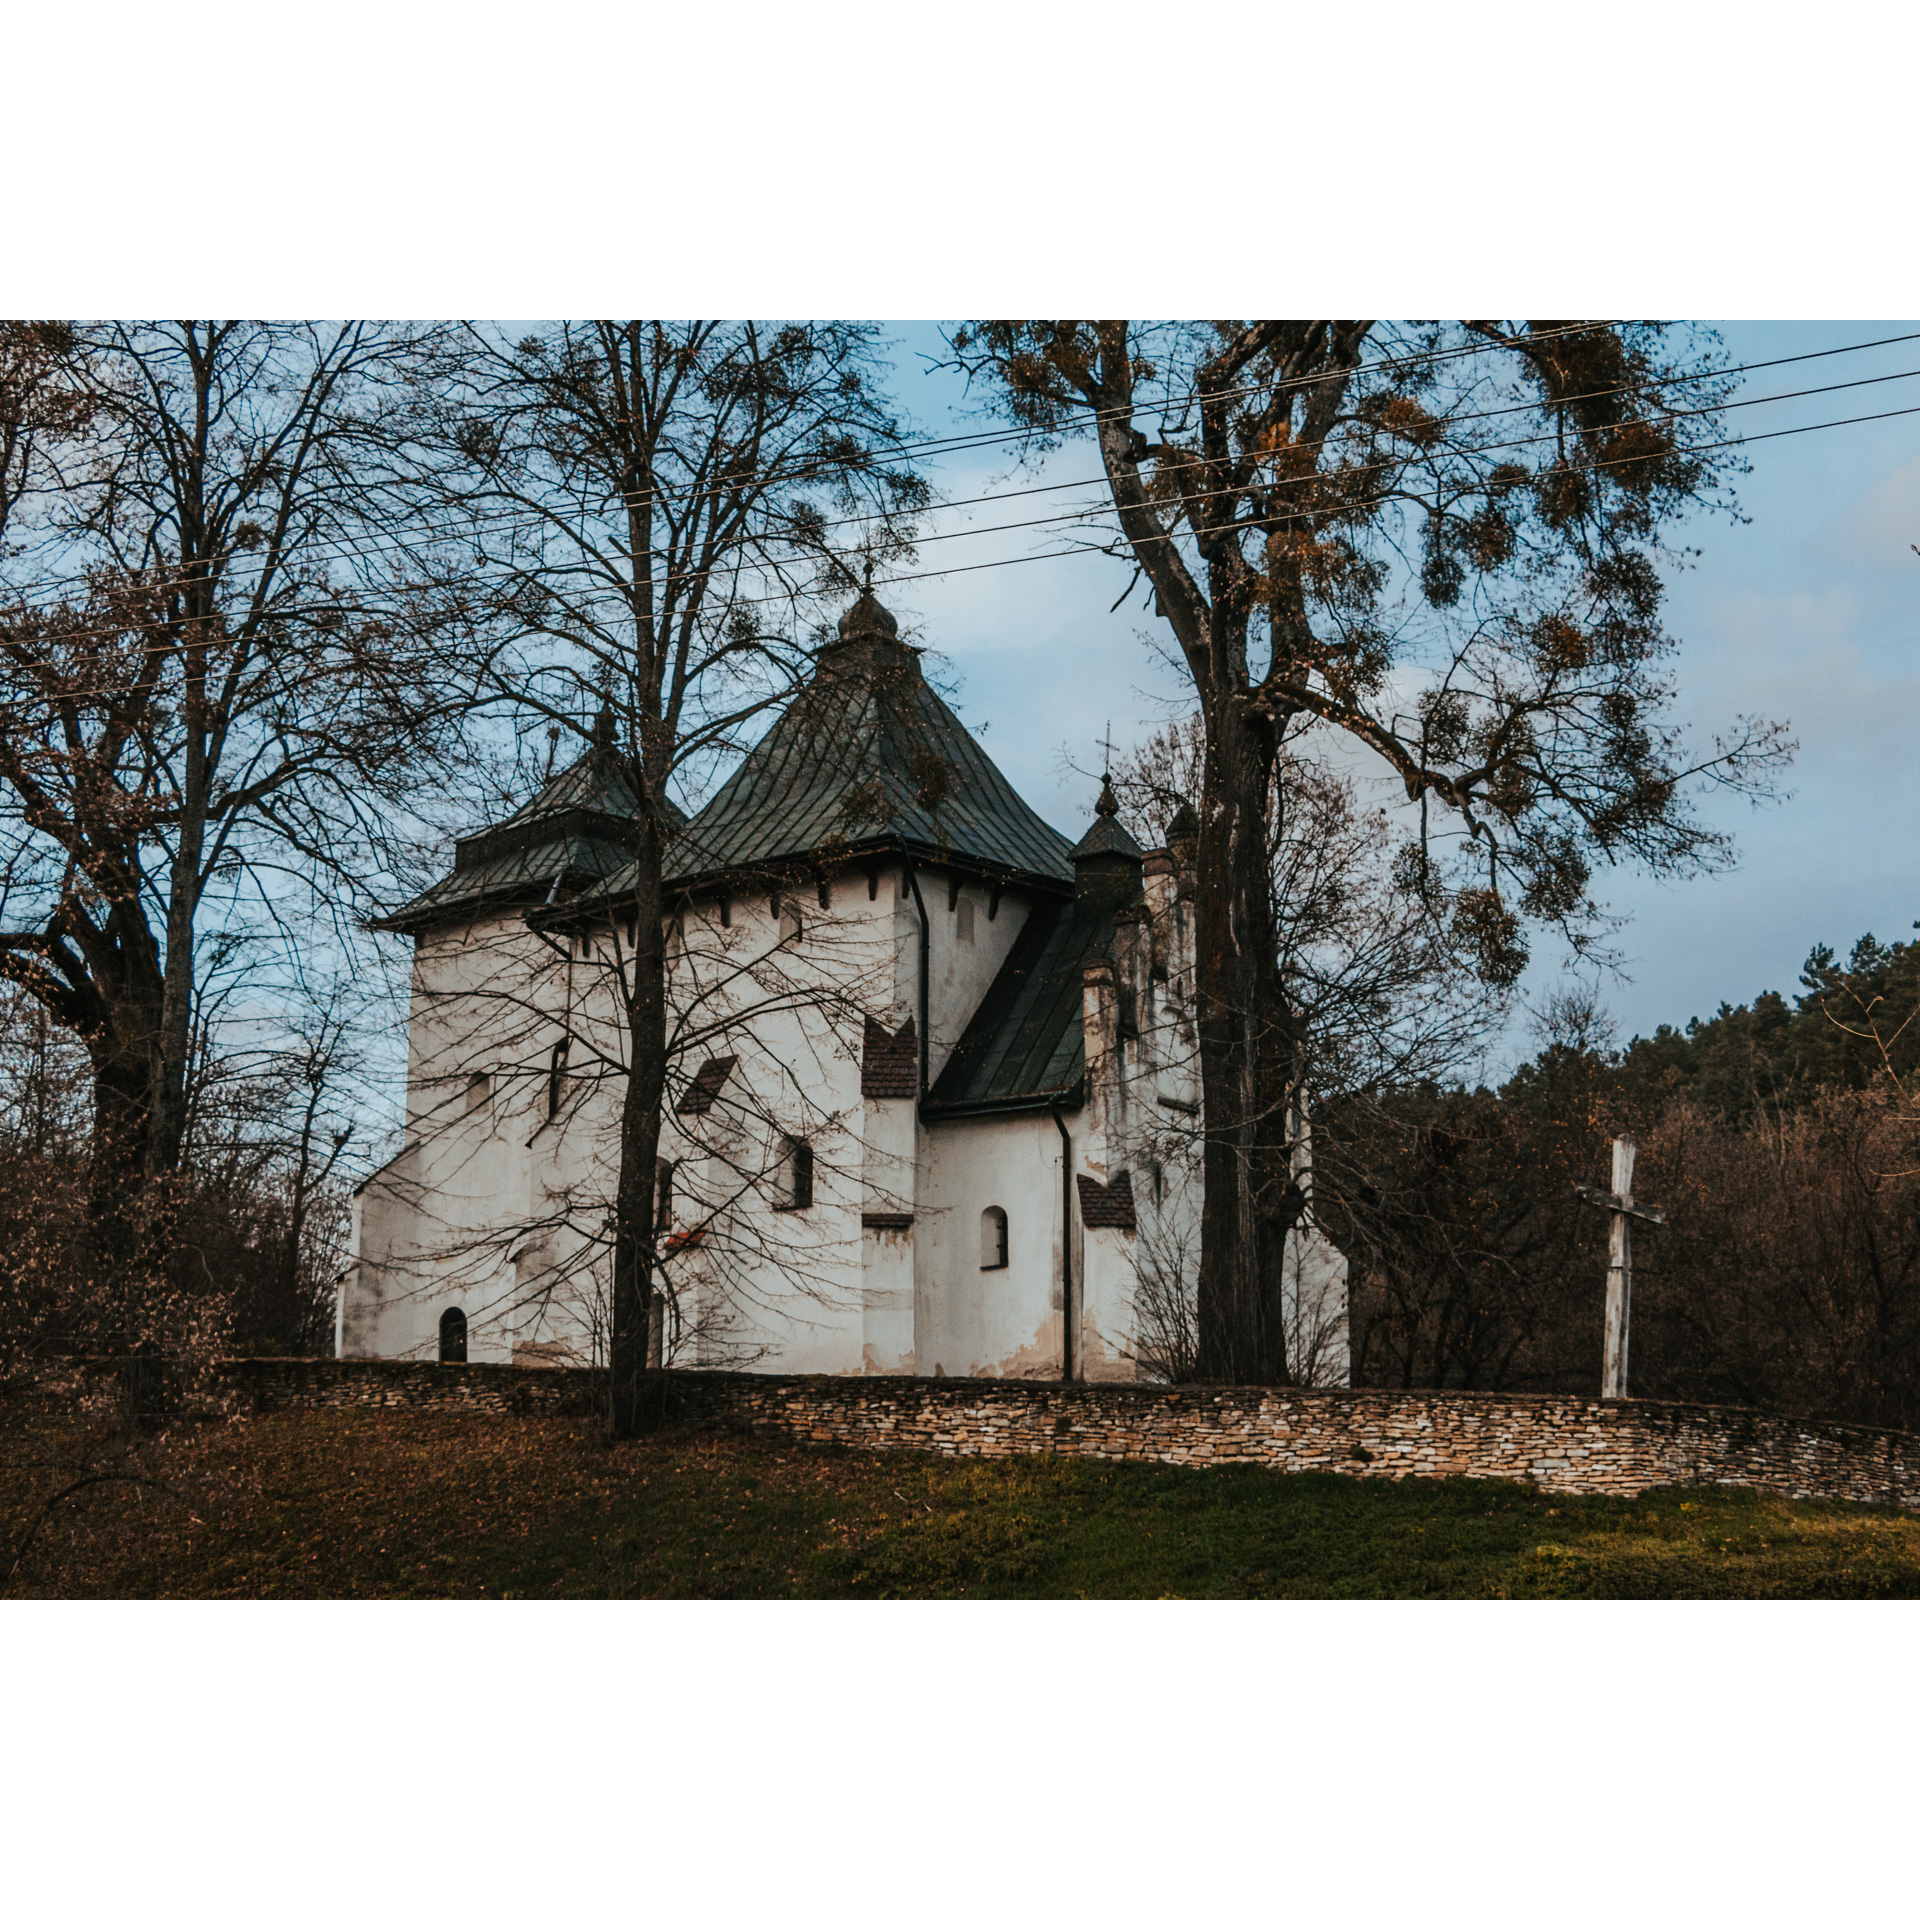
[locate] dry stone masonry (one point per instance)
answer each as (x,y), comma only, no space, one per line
(1559,1442)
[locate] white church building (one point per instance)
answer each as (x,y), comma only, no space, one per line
(934,1104)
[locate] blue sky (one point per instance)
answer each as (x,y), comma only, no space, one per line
(1808,613)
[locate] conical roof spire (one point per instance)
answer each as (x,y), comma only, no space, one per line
(1107,839)
(869,757)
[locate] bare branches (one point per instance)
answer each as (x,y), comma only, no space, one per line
(650,504)
(209,695)
(1442,545)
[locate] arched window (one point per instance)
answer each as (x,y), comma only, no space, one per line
(793,1175)
(557,1077)
(993,1238)
(453,1336)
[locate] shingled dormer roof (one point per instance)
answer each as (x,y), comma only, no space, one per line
(578,830)
(867,758)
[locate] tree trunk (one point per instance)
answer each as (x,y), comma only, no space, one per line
(1243,1051)
(174,1038)
(116,1163)
(632,1397)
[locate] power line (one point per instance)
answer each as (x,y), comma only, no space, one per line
(1272,521)
(525,515)
(534,515)
(1382,466)
(1092,416)
(531,515)
(1595,466)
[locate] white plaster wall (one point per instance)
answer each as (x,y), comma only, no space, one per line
(1004,1323)
(432,1228)
(959,972)
(1316,1305)
(499,1212)
(767,1287)
(889,1186)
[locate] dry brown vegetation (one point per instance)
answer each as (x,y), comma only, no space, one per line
(1784,1144)
(338,1505)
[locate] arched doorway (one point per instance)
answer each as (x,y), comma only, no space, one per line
(453,1335)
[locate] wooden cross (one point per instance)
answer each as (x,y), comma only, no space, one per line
(1625,1209)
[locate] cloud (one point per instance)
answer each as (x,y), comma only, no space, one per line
(1878,531)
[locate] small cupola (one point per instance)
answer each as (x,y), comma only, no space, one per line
(868,619)
(1183,839)
(869,645)
(1108,862)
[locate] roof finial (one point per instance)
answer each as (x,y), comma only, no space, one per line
(866,585)
(1107,806)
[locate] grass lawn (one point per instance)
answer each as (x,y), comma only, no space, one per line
(318,1505)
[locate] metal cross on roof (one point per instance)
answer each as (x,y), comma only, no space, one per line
(1624,1209)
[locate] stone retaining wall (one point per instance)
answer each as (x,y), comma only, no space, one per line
(1560,1442)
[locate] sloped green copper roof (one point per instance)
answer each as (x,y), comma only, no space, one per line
(1026,1040)
(868,756)
(1026,1043)
(575,832)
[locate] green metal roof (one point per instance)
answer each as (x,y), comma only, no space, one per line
(1026,1043)
(576,831)
(866,757)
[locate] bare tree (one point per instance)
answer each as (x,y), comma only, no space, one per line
(1379,989)
(1442,544)
(211,685)
(654,506)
